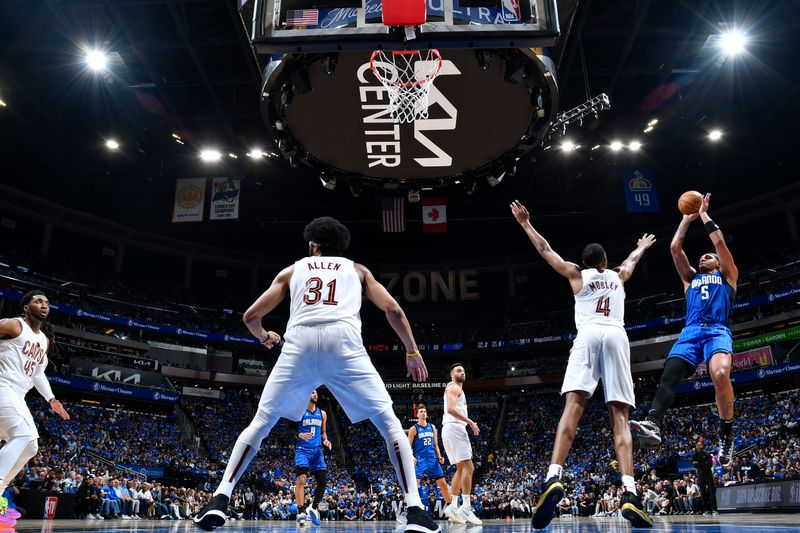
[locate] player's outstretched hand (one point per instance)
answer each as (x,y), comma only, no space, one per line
(646,241)
(520,212)
(58,408)
(474,427)
(270,339)
(704,205)
(417,370)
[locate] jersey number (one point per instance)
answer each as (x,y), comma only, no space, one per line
(29,368)
(704,292)
(314,294)
(603,305)
(427,441)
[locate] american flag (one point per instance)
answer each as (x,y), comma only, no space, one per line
(302,17)
(394,214)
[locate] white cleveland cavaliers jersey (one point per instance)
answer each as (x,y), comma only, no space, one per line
(324,289)
(461,408)
(601,300)
(21,358)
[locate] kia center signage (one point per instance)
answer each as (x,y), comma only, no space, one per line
(481,114)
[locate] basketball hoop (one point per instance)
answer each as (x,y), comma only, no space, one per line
(407,76)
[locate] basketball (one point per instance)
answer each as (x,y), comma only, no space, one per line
(689,203)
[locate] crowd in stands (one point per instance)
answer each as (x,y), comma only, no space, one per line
(508,476)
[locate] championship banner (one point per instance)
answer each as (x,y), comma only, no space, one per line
(225,194)
(640,191)
(190,196)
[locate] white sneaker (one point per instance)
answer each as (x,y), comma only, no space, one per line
(451,512)
(402,518)
(99,516)
(468,515)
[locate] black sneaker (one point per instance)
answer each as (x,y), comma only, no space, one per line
(213,514)
(633,510)
(725,453)
(418,520)
(646,431)
(552,494)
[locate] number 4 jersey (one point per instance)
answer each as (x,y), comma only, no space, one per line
(601,300)
(325,289)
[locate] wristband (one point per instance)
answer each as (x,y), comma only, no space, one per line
(415,354)
(711,226)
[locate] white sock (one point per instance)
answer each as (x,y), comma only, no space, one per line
(465,500)
(400,454)
(554,471)
(246,447)
(629,484)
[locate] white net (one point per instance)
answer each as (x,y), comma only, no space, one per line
(407,76)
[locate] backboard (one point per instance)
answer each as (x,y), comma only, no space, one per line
(308,26)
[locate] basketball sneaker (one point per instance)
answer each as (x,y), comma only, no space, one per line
(401,518)
(419,520)
(552,494)
(451,512)
(646,431)
(301,519)
(213,514)
(633,510)
(725,453)
(313,515)
(467,513)
(4,508)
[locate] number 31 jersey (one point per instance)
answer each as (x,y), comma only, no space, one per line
(601,300)
(324,290)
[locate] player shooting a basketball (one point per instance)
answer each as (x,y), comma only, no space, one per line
(710,291)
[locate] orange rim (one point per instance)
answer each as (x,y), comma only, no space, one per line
(409,84)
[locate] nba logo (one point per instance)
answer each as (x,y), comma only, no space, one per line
(511,10)
(50,505)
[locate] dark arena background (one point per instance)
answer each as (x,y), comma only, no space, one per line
(160,159)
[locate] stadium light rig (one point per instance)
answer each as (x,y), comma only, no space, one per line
(210,156)
(112,145)
(715,135)
(96,60)
(733,42)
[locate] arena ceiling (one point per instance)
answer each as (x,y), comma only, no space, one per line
(185,68)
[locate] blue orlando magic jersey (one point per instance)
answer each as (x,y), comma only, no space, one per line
(310,423)
(709,300)
(423,442)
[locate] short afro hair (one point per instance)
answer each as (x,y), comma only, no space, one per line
(329,234)
(30,296)
(593,255)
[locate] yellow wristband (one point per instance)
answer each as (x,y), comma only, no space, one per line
(415,354)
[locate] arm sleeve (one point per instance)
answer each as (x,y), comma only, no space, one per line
(41,383)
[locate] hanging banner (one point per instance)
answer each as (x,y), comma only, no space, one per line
(640,191)
(190,195)
(225,194)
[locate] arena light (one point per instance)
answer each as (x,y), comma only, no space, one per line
(567,146)
(634,146)
(97,60)
(2,103)
(210,156)
(232,155)
(733,42)
(595,147)
(652,123)
(112,145)
(615,146)
(715,135)
(648,129)
(255,153)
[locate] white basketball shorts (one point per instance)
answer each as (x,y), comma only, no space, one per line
(15,417)
(456,443)
(601,352)
(327,354)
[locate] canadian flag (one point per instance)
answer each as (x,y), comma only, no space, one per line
(434,215)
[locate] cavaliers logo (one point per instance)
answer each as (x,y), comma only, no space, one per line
(189,197)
